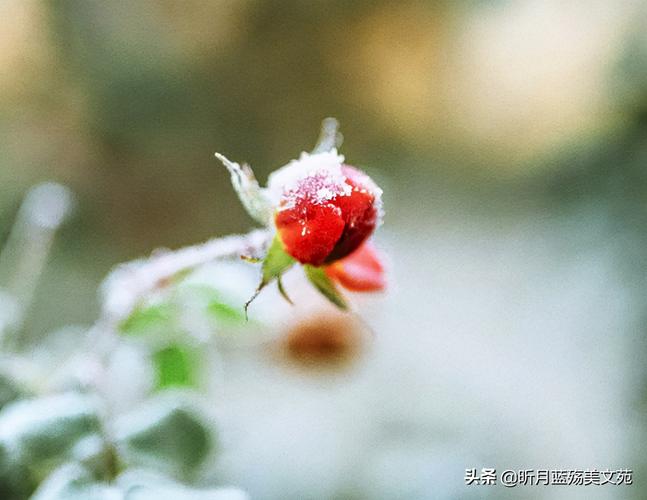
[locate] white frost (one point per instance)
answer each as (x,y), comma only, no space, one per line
(286,179)
(128,284)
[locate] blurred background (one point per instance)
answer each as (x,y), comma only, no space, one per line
(510,138)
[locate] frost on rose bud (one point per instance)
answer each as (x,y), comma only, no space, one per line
(323,211)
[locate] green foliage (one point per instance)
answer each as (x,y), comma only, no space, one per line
(15,480)
(218,306)
(318,277)
(140,484)
(225,313)
(40,429)
(172,492)
(161,320)
(74,482)
(176,366)
(167,433)
(9,390)
(37,434)
(144,319)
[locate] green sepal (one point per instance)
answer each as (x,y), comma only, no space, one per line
(318,277)
(276,262)
(251,195)
(284,294)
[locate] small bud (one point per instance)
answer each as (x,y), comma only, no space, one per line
(326,209)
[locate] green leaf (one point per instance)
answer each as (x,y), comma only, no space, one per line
(170,492)
(225,313)
(219,305)
(318,277)
(96,454)
(9,390)
(167,433)
(74,482)
(175,366)
(146,318)
(15,478)
(276,262)
(145,484)
(48,427)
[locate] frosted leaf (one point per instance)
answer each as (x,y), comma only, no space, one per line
(128,284)
(251,195)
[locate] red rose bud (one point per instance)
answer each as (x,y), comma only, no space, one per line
(361,271)
(326,210)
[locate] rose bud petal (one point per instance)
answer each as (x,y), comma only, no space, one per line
(359,211)
(325,209)
(361,271)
